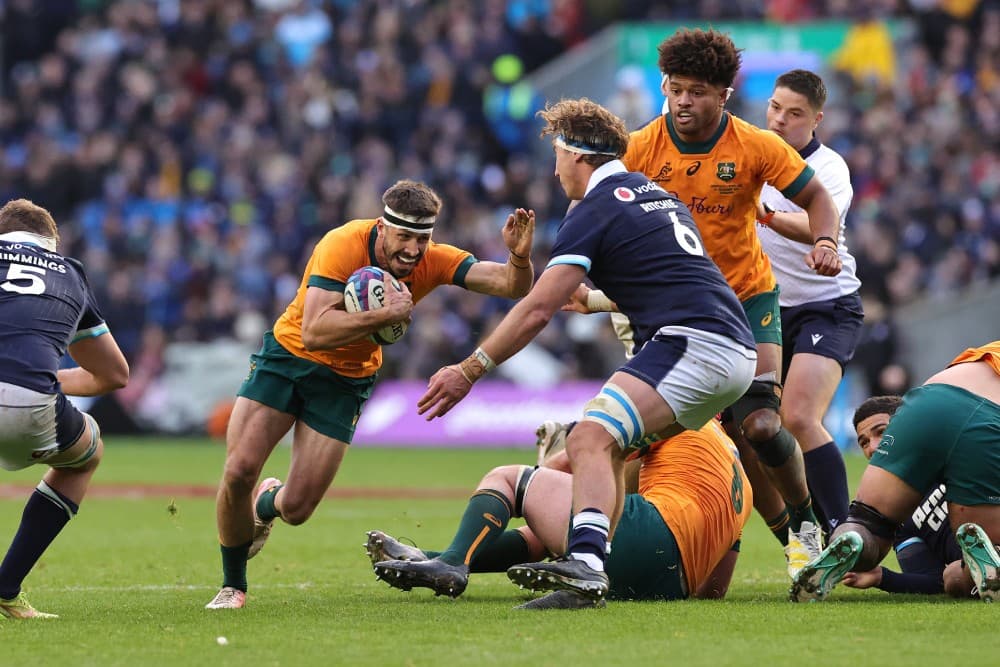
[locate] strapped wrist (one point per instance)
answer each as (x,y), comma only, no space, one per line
(598,302)
(476,365)
(832,241)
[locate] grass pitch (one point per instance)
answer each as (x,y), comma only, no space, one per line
(130,577)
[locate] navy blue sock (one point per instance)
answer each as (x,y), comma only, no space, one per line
(827,478)
(588,538)
(45,514)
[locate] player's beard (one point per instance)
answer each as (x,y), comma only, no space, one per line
(396,267)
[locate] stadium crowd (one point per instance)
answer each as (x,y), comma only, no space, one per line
(193,151)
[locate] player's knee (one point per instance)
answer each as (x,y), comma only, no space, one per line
(756,411)
(87,452)
(776,450)
(617,415)
(761,425)
(502,478)
(876,531)
(796,417)
(296,509)
(240,473)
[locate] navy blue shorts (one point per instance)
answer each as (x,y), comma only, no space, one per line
(827,328)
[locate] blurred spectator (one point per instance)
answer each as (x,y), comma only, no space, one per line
(195,150)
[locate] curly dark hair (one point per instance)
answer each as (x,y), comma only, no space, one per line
(707,55)
(805,83)
(587,122)
(877,405)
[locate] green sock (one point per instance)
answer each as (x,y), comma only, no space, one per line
(801,512)
(265,504)
(778,525)
(509,548)
(234,566)
(486,516)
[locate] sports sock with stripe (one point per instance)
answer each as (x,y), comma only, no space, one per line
(588,540)
(778,525)
(485,518)
(45,514)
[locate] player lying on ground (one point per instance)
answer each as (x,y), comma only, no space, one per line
(678,536)
(946,431)
(925,546)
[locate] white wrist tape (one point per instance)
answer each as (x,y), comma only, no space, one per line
(598,302)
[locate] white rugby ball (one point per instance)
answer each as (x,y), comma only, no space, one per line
(365,290)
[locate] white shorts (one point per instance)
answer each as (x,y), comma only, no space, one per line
(35,426)
(697,373)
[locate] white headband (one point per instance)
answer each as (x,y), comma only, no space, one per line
(408,222)
(46,242)
(580,147)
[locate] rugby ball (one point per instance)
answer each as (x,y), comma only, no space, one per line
(365,290)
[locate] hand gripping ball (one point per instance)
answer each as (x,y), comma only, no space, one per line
(365,290)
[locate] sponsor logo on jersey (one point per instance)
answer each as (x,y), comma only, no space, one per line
(664,174)
(693,169)
(725,171)
(764,321)
(816,338)
(701,205)
(624,194)
(650,186)
(884,444)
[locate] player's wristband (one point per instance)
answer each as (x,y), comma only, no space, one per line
(768,216)
(483,358)
(510,260)
(476,365)
(598,302)
(832,241)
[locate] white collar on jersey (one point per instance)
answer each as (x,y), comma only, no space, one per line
(46,242)
(602,172)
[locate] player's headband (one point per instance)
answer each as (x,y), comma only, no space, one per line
(46,242)
(410,223)
(582,147)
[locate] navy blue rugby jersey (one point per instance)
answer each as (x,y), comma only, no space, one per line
(641,247)
(45,305)
(929,525)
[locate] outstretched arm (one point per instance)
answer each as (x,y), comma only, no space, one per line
(452,383)
(514,278)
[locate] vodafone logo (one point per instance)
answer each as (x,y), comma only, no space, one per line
(624,194)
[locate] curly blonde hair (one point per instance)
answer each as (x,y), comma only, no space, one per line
(588,123)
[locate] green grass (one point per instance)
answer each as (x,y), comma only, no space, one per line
(130,579)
